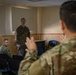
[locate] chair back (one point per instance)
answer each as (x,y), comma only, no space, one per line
(4,65)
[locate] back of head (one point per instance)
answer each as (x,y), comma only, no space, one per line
(68,15)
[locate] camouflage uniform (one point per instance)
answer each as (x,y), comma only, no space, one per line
(22,33)
(4,50)
(50,63)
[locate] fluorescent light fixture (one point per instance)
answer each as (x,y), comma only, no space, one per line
(22,7)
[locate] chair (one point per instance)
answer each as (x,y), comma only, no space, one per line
(17,57)
(4,68)
(52,43)
(14,66)
(4,56)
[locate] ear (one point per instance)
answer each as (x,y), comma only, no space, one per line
(62,25)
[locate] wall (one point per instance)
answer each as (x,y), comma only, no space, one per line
(5,20)
(51,23)
(31,18)
(46,19)
(2,20)
(10,18)
(12,45)
(39,20)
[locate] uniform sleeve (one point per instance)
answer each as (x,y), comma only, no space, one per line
(8,52)
(31,66)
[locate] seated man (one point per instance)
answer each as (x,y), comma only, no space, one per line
(4,49)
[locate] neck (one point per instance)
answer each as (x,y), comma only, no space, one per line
(22,25)
(68,35)
(5,45)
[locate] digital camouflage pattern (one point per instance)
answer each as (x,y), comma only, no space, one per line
(51,62)
(22,33)
(70,64)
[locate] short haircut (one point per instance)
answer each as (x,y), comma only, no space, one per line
(5,39)
(23,19)
(68,15)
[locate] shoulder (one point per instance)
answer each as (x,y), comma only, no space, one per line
(54,52)
(2,46)
(18,27)
(26,27)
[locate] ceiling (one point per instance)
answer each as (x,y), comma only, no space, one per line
(34,3)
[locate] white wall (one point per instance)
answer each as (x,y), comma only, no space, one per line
(2,20)
(30,15)
(51,21)
(8,20)
(48,19)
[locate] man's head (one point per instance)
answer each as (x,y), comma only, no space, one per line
(6,42)
(23,21)
(68,16)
